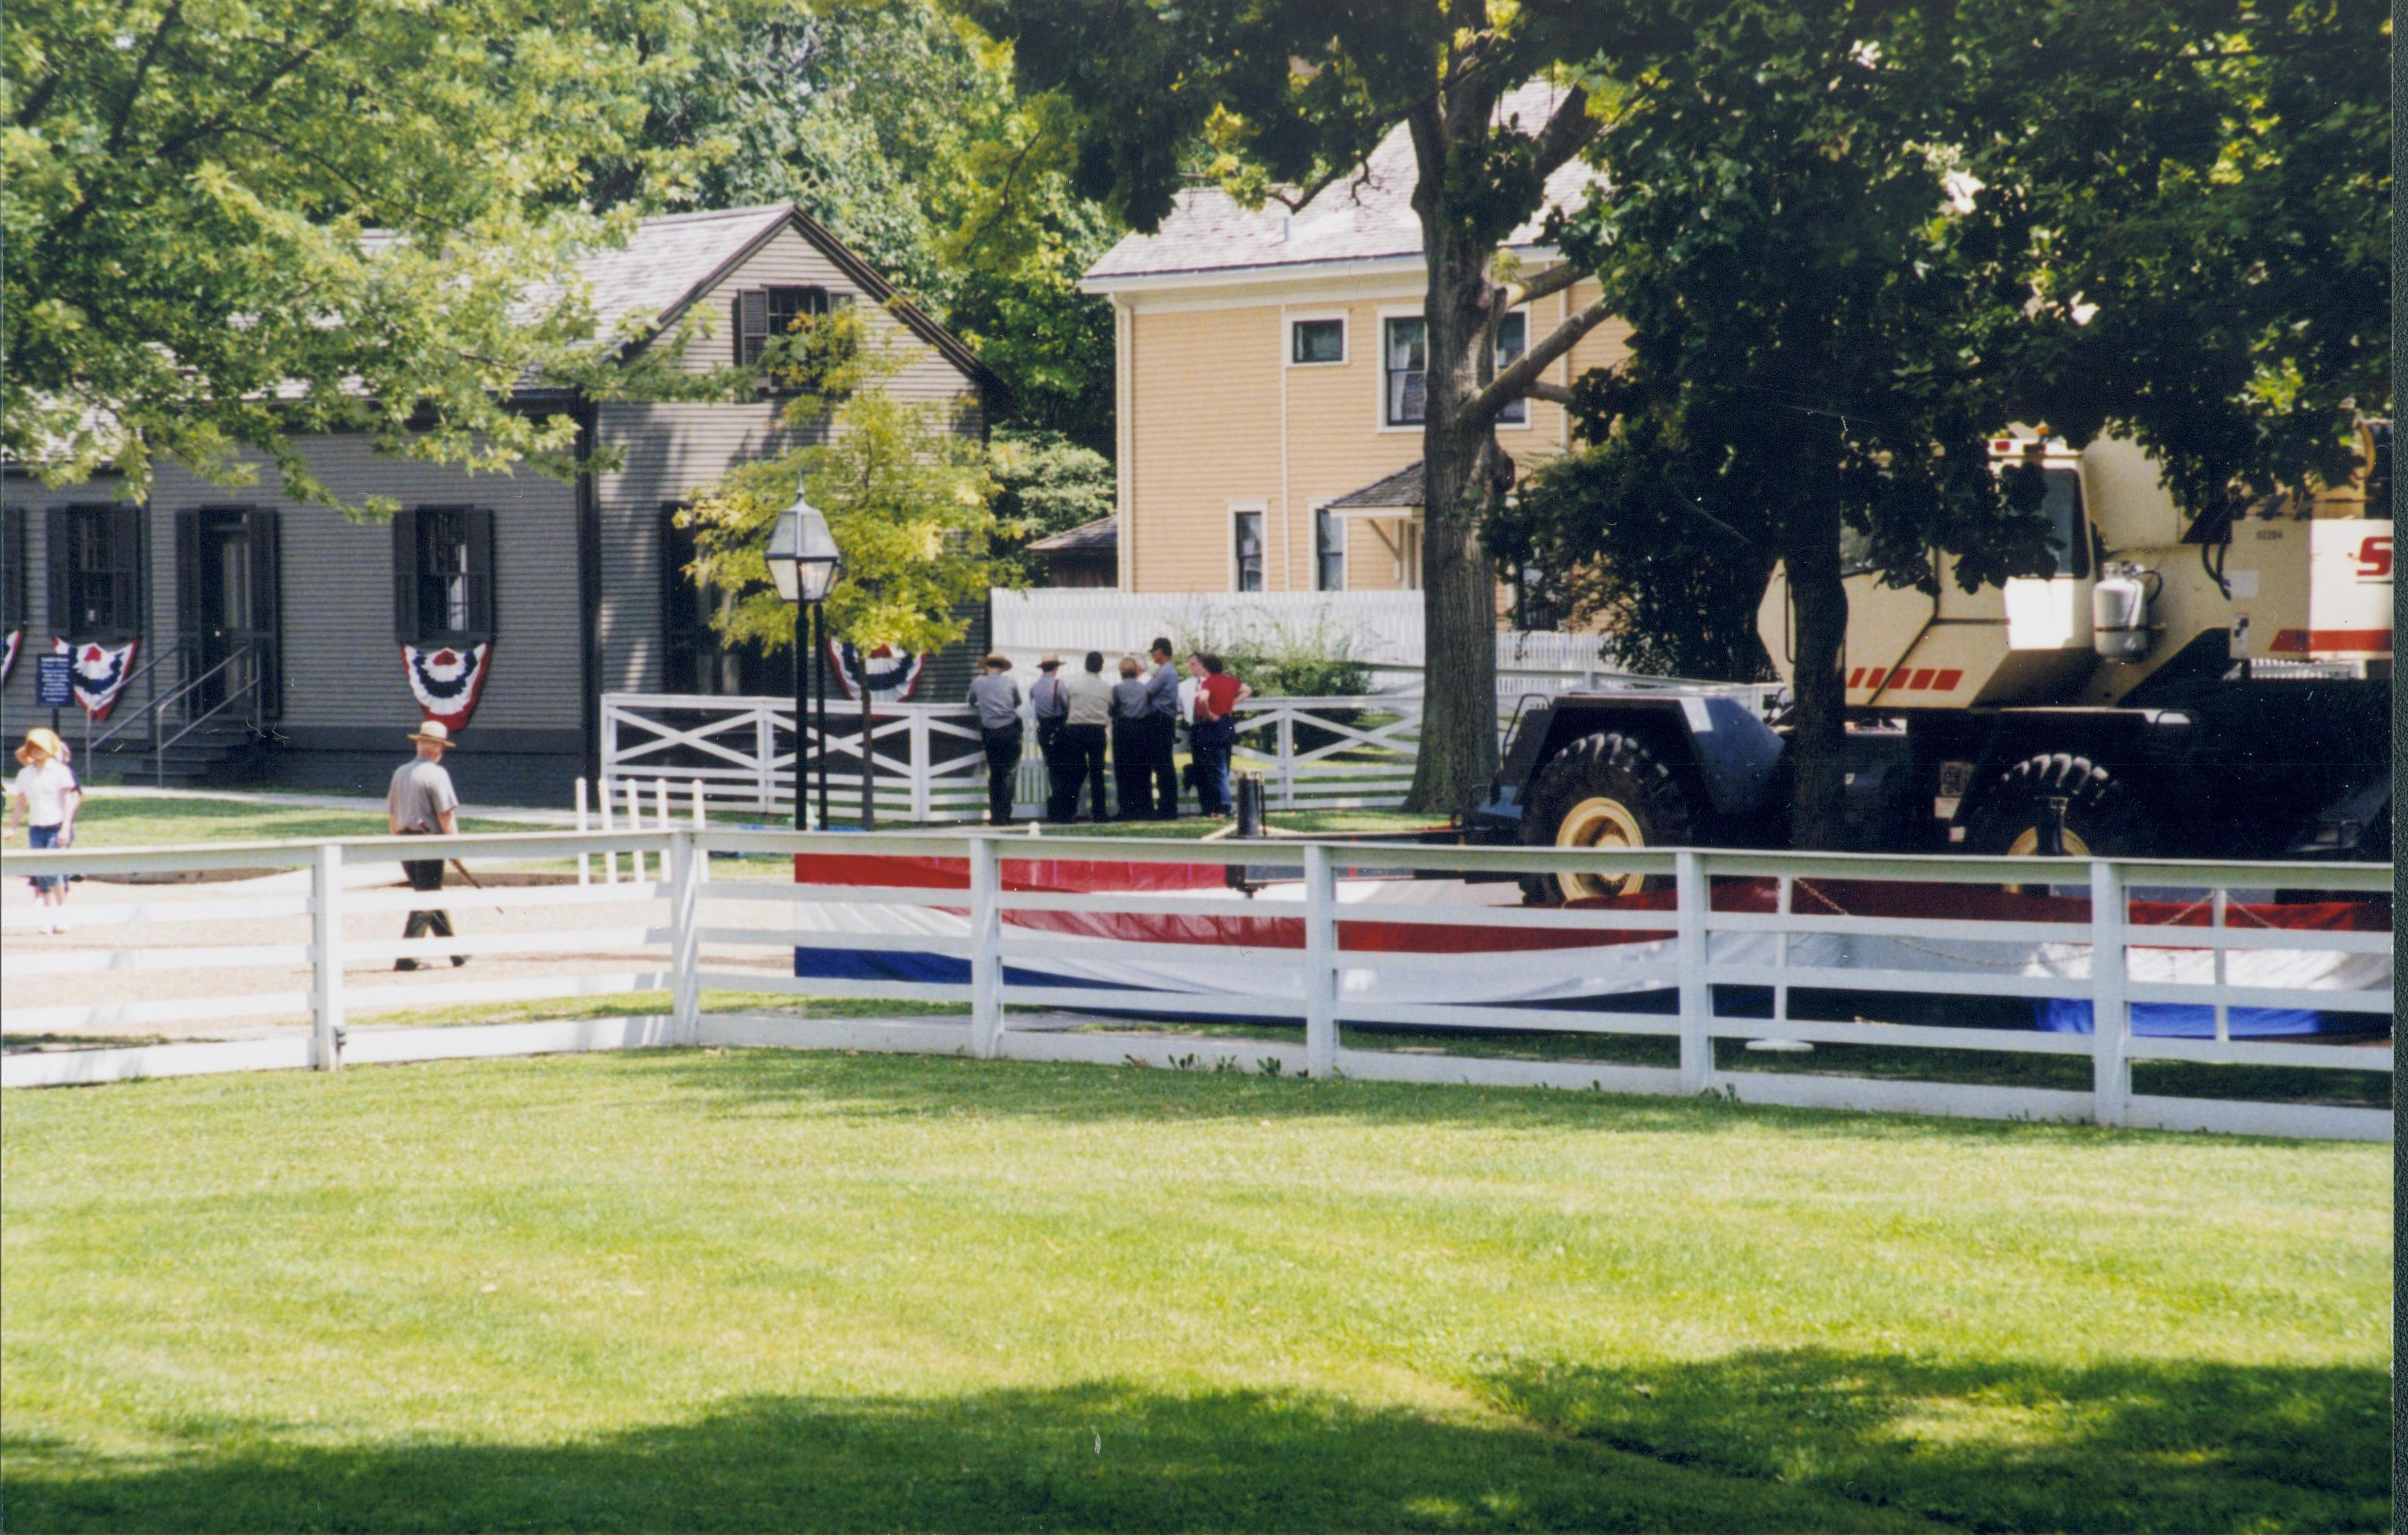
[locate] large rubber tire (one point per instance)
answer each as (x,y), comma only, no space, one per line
(1605,790)
(2103,816)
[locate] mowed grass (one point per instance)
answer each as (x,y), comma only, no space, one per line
(115,818)
(780,1290)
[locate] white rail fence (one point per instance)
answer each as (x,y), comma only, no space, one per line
(1015,948)
(928,765)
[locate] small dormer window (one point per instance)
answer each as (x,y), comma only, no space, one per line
(764,313)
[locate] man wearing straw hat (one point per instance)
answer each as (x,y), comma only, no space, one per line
(46,796)
(420,802)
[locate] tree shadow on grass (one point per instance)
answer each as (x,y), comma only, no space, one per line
(2188,1447)
(1090,1456)
(869,1084)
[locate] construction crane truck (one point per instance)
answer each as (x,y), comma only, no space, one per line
(2220,689)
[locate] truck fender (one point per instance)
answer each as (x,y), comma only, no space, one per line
(1726,754)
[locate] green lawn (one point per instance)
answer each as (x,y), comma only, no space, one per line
(114,818)
(762,1290)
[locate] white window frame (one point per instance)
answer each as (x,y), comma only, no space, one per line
(1380,371)
(1345,338)
(1529,412)
(1345,538)
(1379,374)
(1256,508)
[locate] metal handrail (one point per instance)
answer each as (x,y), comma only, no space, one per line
(172,653)
(248,688)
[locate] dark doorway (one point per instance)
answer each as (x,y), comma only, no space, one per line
(229,567)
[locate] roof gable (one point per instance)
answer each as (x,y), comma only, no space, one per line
(671,261)
(1365,216)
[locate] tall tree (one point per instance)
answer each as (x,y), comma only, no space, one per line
(191,191)
(1854,238)
(906,497)
(1283,95)
(898,126)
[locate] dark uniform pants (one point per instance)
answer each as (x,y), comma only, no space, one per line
(1002,763)
(1162,739)
(1081,751)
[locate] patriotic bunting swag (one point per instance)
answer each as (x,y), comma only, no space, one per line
(8,648)
(446,679)
(892,674)
(99,673)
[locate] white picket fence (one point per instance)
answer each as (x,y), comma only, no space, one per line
(683,931)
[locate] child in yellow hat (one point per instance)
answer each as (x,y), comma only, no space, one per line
(45,795)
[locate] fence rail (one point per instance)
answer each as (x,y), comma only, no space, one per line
(1329,935)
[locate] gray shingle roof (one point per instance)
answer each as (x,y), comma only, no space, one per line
(1102,536)
(666,259)
(1365,215)
(1390,493)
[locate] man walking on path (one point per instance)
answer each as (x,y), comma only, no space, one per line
(1088,710)
(1161,732)
(1131,742)
(420,802)
(1049,701)
(1215,731)
(996,698)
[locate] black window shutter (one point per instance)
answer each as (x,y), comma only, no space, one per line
(480,530)
(405,575)
(126,586)
(58,550)
(267,608)
(752,325)
(188,578)
(12,568)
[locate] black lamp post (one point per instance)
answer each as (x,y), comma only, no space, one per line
(804,560)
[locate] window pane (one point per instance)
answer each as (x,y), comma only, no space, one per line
(1250,550)
(1329,551)
(1404,359)
(445,580)
(1318,341)
(1513,340)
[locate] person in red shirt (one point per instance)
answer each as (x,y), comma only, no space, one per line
(1215,731)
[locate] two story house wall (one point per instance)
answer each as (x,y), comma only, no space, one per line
(574,584)
(1269,382)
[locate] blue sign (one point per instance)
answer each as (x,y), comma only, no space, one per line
(53,680)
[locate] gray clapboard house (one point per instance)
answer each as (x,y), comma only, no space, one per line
(271,631)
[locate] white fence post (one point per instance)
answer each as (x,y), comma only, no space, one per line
(685,949)
(764,757)
(987,939)
(610,860)
(1287,757)
(701,825)
(2110,1018)
(921,766)
(327,957)
(1697,994)
(584,860)
(1320,963)
(635,823)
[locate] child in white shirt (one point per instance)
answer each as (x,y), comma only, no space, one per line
(45,797)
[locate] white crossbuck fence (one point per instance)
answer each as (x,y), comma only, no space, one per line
(1329,938)
(1350,753)
(928,767)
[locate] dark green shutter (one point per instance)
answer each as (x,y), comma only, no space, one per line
(480,530)
(267,608)
(188,581)
(58,550)
(751,325)
(405,575)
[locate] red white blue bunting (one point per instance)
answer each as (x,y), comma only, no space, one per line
(447,679)
(893,673)
(99,673)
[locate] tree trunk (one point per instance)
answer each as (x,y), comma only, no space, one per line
(1462,466)
(1818,740)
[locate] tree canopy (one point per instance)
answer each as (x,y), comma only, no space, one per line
(908,499)
(232,221)
(1854,240)
(1277,98)
(899,127)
